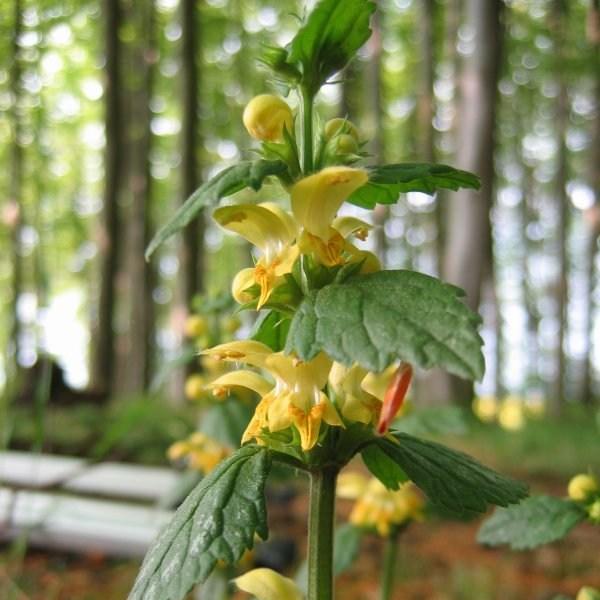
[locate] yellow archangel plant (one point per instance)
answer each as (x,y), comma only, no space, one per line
(336,337)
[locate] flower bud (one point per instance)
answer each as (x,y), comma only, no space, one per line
(594,512)
(195,326)
(339,127)
(265,116)
(588,593)
(394,397)
(266,584)
(346,144)
(194,387)
(582,486)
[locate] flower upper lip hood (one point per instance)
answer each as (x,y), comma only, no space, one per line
(317,198)
(266,584)
(266,116)
(295,399)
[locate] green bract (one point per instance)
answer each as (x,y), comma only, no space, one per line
(218,521)
(382,317)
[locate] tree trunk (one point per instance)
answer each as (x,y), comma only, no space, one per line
(375,104)
(191,254)
(468,234)
(593,214)
(14,215)
(141,307)
(558,26)
(103,345)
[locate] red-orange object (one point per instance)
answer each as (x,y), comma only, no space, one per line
(394,396)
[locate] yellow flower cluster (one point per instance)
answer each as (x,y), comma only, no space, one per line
(293,395)
(377,507)
(201,452)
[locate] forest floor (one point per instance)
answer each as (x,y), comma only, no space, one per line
(437,561)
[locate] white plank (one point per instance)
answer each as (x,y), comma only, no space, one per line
(79,524)
(112,479)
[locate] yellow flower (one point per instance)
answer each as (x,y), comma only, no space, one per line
(377,506)
(588,593)
(194,388)
(582,486)
(295,399)
(317,198)
(511,415)
(195,326)
(265,117)
(266,584)
(202,452)
(486,408)
(359,394)
(273,232)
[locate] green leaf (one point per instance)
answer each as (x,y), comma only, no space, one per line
(271,328)
(249,173)
(382,317)
(388,181)
(330,37)
(536,521)
(218,521)
(382,465)
(455,482)
(346,547)
(226,421)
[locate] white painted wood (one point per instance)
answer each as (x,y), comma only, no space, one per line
(79,524)
(24,469)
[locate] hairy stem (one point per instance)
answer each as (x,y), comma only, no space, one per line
(390,559)
(320,533)
(307,131)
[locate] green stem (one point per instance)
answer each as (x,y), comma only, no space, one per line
(390,559)
(320,533)
(307,131)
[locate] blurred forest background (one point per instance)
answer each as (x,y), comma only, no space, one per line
(113,111)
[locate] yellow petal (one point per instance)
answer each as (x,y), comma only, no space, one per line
(258,421)
(348,226)
(245,379)
(265,117)
(376,384)
(266,584)
(317,198)
(262,226)
(241,282)
(326,251)
(351,486)
(246,351)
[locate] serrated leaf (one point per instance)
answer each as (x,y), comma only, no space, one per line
(346,546)
(226,421)
(271,329)
(330,37)
(250,173)
(383,466)
(379,318)
(452,480)
(387,182)
(218,521)
(537,520)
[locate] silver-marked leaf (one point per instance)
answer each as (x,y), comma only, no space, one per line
(377,319)
(387,182)
(217,521)
(536,521)
(250,173)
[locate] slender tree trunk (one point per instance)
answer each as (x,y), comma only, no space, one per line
(16,220)
(557,395)
(469,230)
(374,101)
(141,306)
(103,344)
(593,30)
(191,254)
(425,101)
